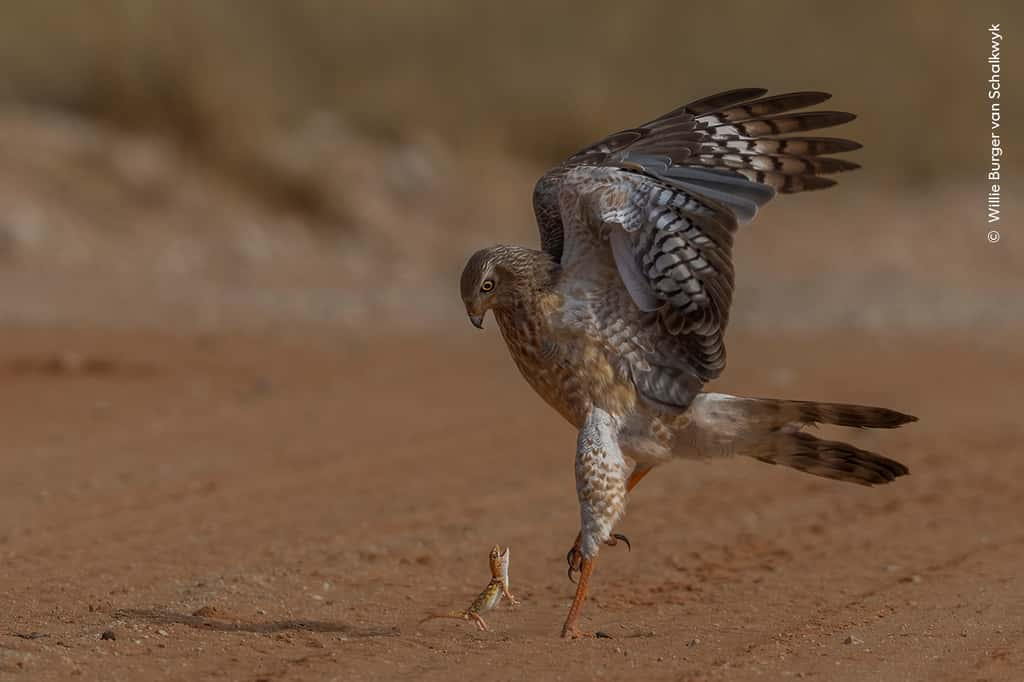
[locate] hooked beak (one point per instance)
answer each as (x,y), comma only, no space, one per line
(477,320)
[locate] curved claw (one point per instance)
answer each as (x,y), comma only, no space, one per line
(620,536)
(573,558)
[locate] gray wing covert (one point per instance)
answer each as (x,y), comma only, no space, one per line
(673,253)
(668,195)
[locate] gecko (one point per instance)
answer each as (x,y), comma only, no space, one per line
(490,596)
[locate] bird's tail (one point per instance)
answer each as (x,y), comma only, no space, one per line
(770,430)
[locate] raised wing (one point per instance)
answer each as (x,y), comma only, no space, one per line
(667,196)
(728,147)
(672,250)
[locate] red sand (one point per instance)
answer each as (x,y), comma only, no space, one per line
(288,506)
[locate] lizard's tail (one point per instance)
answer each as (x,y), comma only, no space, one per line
(770,431)
(457,615)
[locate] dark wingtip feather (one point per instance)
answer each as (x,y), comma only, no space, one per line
(830,165)
(724,99)
(792,100)
(819,119)
(806,183)
(841,145)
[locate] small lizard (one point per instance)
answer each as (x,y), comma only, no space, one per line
(491,595)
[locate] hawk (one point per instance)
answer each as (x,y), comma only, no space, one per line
(619,320)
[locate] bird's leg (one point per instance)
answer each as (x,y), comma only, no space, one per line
(636,476)
(601,474)
(573,556)
(571,628)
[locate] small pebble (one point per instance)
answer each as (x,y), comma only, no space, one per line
(108,634)
(162,632)
(693,642)
(853,639)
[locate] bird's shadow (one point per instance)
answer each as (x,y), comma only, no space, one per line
(225,624)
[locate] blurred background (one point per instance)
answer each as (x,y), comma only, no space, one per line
(261,162)
(248,433)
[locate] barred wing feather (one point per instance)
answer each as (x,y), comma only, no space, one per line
(668,196)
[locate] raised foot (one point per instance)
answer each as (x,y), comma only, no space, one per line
(614,540)
(574,557)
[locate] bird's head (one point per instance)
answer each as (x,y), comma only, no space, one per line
(485,279)
(499,276)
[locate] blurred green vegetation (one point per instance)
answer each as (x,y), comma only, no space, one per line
(532,77)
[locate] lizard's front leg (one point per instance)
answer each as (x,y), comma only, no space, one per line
(601,473)
(479,620)
(503,576)
(512,600)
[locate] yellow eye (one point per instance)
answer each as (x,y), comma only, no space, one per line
(488,285)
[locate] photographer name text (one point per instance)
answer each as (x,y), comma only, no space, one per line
(996,158)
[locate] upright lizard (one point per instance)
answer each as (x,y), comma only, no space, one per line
(490,596)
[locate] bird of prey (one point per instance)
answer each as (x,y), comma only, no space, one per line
(619,320)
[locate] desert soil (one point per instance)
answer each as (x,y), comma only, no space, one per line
(287,505)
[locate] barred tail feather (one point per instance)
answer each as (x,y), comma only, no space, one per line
(830,459)
(782,413)
(769,430)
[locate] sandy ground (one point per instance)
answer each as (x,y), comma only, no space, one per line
(288,505)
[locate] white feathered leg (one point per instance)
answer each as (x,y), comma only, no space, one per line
(601,474)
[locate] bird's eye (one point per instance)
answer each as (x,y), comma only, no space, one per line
(488,285)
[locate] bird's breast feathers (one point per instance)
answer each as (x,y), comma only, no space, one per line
(582,347)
